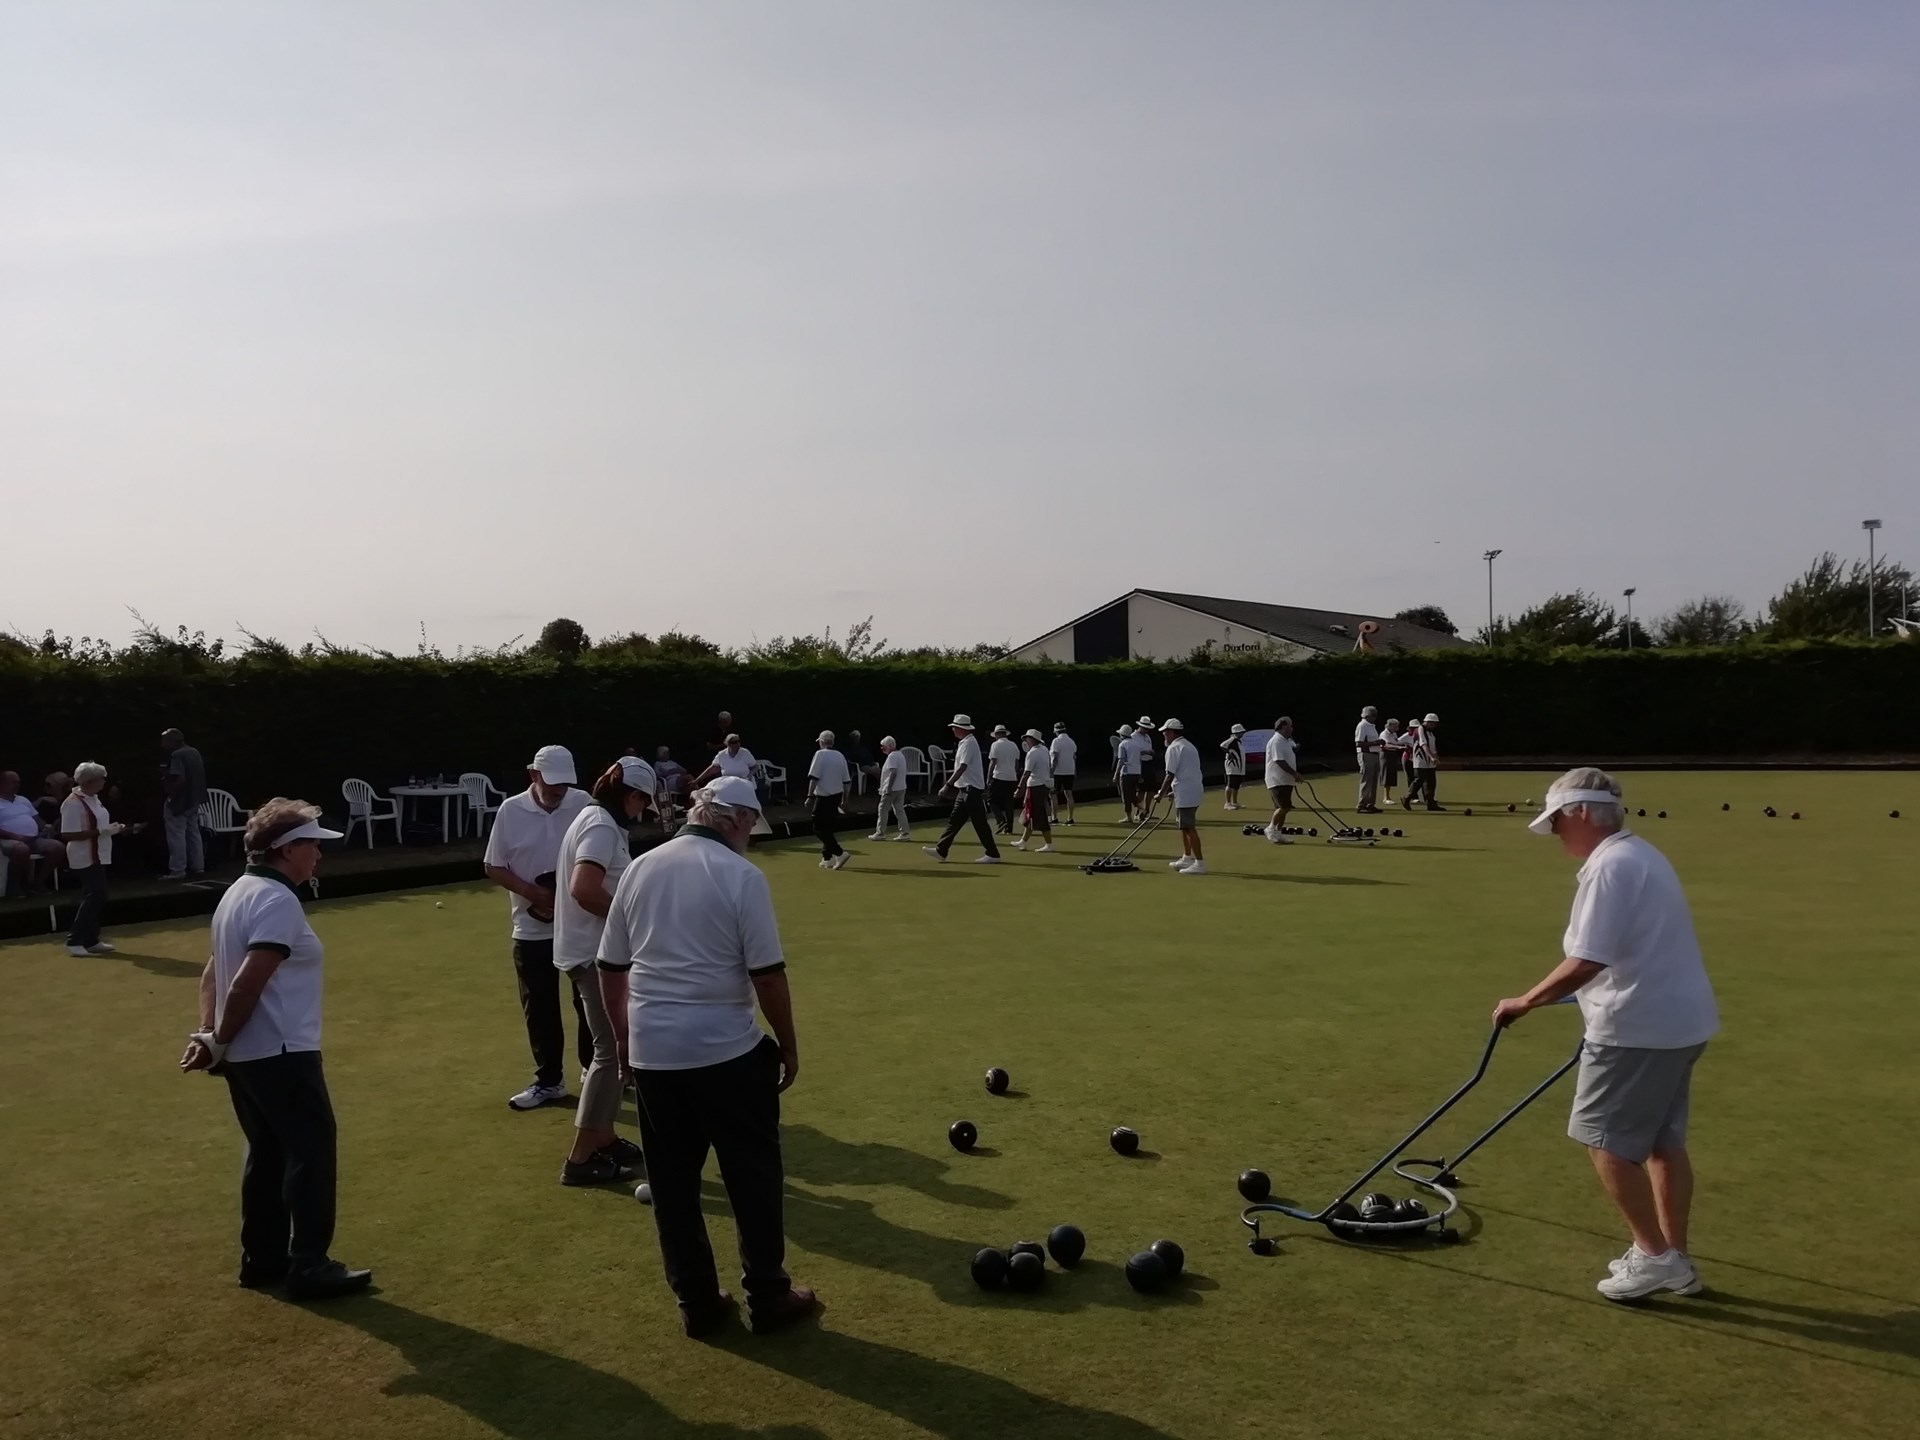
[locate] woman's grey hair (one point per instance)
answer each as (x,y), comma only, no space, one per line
(88,771)
(1393,724)
(279,816)
(703,810)
(1591,777)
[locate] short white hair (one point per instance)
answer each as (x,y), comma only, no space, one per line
(88,770)
(1591,777)
(702,809)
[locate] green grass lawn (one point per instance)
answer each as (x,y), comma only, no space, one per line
(1295,1009)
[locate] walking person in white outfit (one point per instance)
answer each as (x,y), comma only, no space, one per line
(1064,754)
(1036,785)
(1633,963)
(1003,778)
(1188,788)
(893,792)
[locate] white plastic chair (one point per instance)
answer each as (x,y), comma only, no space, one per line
(476,802)
(937,766)
(776,777)
(362,809)
(916,763)
(220,814)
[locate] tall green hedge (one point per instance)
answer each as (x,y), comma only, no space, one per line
(291,725)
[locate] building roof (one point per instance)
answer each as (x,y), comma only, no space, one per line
(1332,631)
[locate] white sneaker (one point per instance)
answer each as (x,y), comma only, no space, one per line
(536,1095)
(100,947)
(78,950)
(839,862)
(1181,863)
(1018,845)
(1641,1275)
(825,864)
(1044,850)
(1614,1267)
(1198,867)
(878,835)
(903,835)
(988,860)
(934,851)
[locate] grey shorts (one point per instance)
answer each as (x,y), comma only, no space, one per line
(1630,1102)
(1189,817)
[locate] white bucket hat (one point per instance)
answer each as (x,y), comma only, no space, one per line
(1238,730)
(1033,735)
(960,722)
(1145,722)
(1432,719)
(999,729)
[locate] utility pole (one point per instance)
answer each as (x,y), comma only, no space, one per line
(1628,592)
(1872,575)
(1490,557)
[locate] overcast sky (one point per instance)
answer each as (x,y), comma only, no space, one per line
(754,318)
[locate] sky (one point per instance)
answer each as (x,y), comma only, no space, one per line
(755,317)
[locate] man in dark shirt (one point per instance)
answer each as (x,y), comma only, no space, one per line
(186,786)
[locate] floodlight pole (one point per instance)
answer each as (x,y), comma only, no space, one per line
(1490,557)
(1628,592)
(1870,526)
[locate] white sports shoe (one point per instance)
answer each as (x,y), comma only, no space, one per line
(1614,1267)
(878,835)
(1018,845)
(1181,863)
(1046,849)
(100,947)
(536,1095)
(934,852)
(1641,1275)
(839,862)
(903,835)
(825,864)
(988,860)
(1198,867)
(79,950)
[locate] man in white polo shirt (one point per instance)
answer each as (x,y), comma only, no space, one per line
(523,855)
(691,943)
(829,778)
(1036,792)
(1187,788)
(1064,754)
(1425,761)
(1283,773)
(1003,779)
(1127,763)
(1366,752)
(1634,965)
(967,784)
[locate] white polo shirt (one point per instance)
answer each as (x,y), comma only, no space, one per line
(1366,738)
(893,773)
(1038,767)
(1280,752)
(1004,757)
(1131,754)
(19,818)
(526,840)
(1183,765)
(967,774)
(741,764)
(1630,915)
(691,924)
(73,819)
(829,772)
(1064,754)
(593,836)
(261,911)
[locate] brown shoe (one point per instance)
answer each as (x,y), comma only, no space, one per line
(798,1303)
(701,1321)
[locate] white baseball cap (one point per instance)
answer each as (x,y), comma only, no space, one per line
(1171,724)
(554,764)
(733,790)
(960,722)
(636,774)
(825,737)
(1558,800)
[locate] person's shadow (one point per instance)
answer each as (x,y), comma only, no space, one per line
(524,1393)
(1893,1334)
(822,1159)
(165,966)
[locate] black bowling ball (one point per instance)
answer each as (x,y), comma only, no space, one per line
(990,1269)
(963,1134)
(1255,1186)
(1066,1244)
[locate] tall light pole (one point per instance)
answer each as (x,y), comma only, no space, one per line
(1628,592)
(1490,557)
(1870,526)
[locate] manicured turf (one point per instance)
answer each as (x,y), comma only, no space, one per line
(1295,1009)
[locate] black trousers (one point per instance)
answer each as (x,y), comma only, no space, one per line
(826,809)
(92,908)
(287,1182)
(732,1109)
(540,1003)
(1002,793)
(968,804)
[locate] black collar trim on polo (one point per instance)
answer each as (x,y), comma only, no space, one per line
(706,832)
(268,872)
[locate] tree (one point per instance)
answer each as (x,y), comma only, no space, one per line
(562,637)
(858,646)
(1710,620)
(1830,600)
(672,645)
(1432,617)
(1575,618)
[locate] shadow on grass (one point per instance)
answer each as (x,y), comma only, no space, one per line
(821,1159)
(525,1393)
(165,966)
(941,1398)
(1304,879)
(932,870)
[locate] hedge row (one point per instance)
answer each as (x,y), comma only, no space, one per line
(300,726)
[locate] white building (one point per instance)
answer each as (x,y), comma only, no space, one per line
(1163,625)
